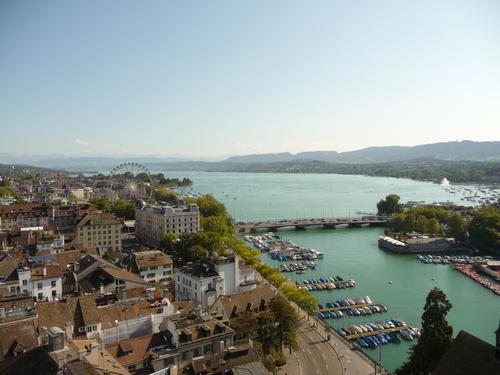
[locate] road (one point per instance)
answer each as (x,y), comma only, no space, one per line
(316,356)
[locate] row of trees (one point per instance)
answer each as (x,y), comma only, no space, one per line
(272,330)
(483,227)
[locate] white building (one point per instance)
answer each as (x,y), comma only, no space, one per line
(204,281)
(43,282)
(153,221)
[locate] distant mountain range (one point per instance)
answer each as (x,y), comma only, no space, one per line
(465,150)
(447,151)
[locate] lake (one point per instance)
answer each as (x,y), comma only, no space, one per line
(353,253)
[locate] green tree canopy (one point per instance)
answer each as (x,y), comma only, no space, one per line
(209,206)
(195,253)
(101,204)
(168,241)
(165,195)
(457,228)
(218,224)
(390,205)
(123,209)
(435,339)
(421,224)
(433,226)
(484,228)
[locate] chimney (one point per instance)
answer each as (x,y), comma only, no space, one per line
(44,271)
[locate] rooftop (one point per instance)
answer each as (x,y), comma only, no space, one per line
(151,258)
(468,355)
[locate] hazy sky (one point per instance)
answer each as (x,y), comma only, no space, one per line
(238,77)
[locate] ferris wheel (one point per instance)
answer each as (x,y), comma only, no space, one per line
(130,181)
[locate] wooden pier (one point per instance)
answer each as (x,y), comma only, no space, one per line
(355,336)
(349,307)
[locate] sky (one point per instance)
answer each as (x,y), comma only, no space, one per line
(217,78)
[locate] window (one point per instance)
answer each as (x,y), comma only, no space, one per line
(25,282)
(81,329)
(53,284)
(39,285)
(40,296)
(150,275)
(54,293)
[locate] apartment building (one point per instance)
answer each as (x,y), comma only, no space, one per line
(42,282)
(99,230)
(62,217)
(204,281)
(152,266)
(153,221)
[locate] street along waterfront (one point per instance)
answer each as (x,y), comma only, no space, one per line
(354,253)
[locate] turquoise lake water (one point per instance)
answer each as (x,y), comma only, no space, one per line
(353,253)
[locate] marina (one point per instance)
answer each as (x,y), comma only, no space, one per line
(451,259)
(484,281)
(329,283)
(297,267)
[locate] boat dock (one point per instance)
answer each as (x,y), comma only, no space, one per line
(327,285)
(349,307)
(325,282)
(355,336)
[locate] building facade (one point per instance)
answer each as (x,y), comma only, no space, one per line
(44,282)
(204,281)
(152,266)
(153,221)
(98,230)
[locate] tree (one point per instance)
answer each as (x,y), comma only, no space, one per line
(286,319)
(168,241)
(457,228)
(266,331)
(422,224)
(398,223)
(101,204)
(433,226)
(484,228)
(209,206)
(244,324)
(218,224)
(123,209)
(390,205)
(435,339)
(165,195)
(195,253)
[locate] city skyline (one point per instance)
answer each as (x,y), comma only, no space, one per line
(227,78)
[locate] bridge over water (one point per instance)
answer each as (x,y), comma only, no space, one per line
(302,224)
